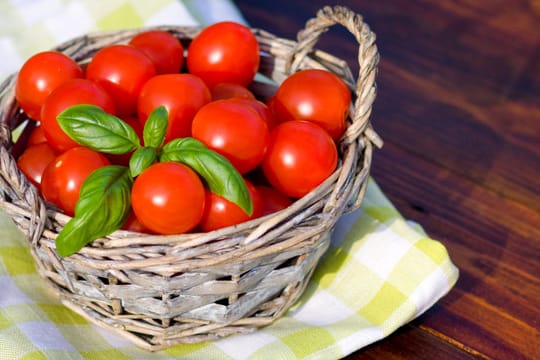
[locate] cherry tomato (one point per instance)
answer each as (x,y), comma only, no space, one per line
(300,156)
(37,136)
(121,70)
(163,48)
(263,110)
(39,76)
(220,212)
(315,95)
(133,224)
(63,177)
(34,160)
(168,198)
(230,90)
(224,52)
(272,200)
(72,92)
(182,94)
(234,130)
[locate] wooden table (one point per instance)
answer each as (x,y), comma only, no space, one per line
(459,109)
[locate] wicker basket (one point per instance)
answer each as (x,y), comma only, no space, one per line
(159,291)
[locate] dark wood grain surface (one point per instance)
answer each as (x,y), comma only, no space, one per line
(458,106)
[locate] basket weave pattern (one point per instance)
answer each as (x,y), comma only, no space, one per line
(163,290)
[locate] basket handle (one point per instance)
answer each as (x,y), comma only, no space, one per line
(368,59)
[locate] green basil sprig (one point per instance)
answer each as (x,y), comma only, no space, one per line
(105,199)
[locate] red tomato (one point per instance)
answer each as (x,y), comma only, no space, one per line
(63,177)
(220,212)
(314,95)
(263,110)
(37,136)
(163,48)
(182,94)
(72,92)
(272,200)
(168,198)
(234,130)
(34,160)
(39,76)
(121,70)
(225,52)
(229,90)
(300,156)
(133,224)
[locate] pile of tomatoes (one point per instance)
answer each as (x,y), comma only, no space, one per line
(282,148)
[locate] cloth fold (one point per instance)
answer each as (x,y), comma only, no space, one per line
(379,273)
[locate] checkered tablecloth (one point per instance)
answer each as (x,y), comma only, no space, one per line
(380,272)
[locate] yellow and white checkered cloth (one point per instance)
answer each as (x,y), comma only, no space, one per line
(379,273)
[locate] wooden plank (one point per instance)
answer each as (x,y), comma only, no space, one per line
(494,242)
(426,119)
(411,342)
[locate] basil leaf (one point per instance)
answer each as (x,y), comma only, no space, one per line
(91,126)
(187,143)
(141,159)
(74,235)
(219,174)
(104,204)
(155,127)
